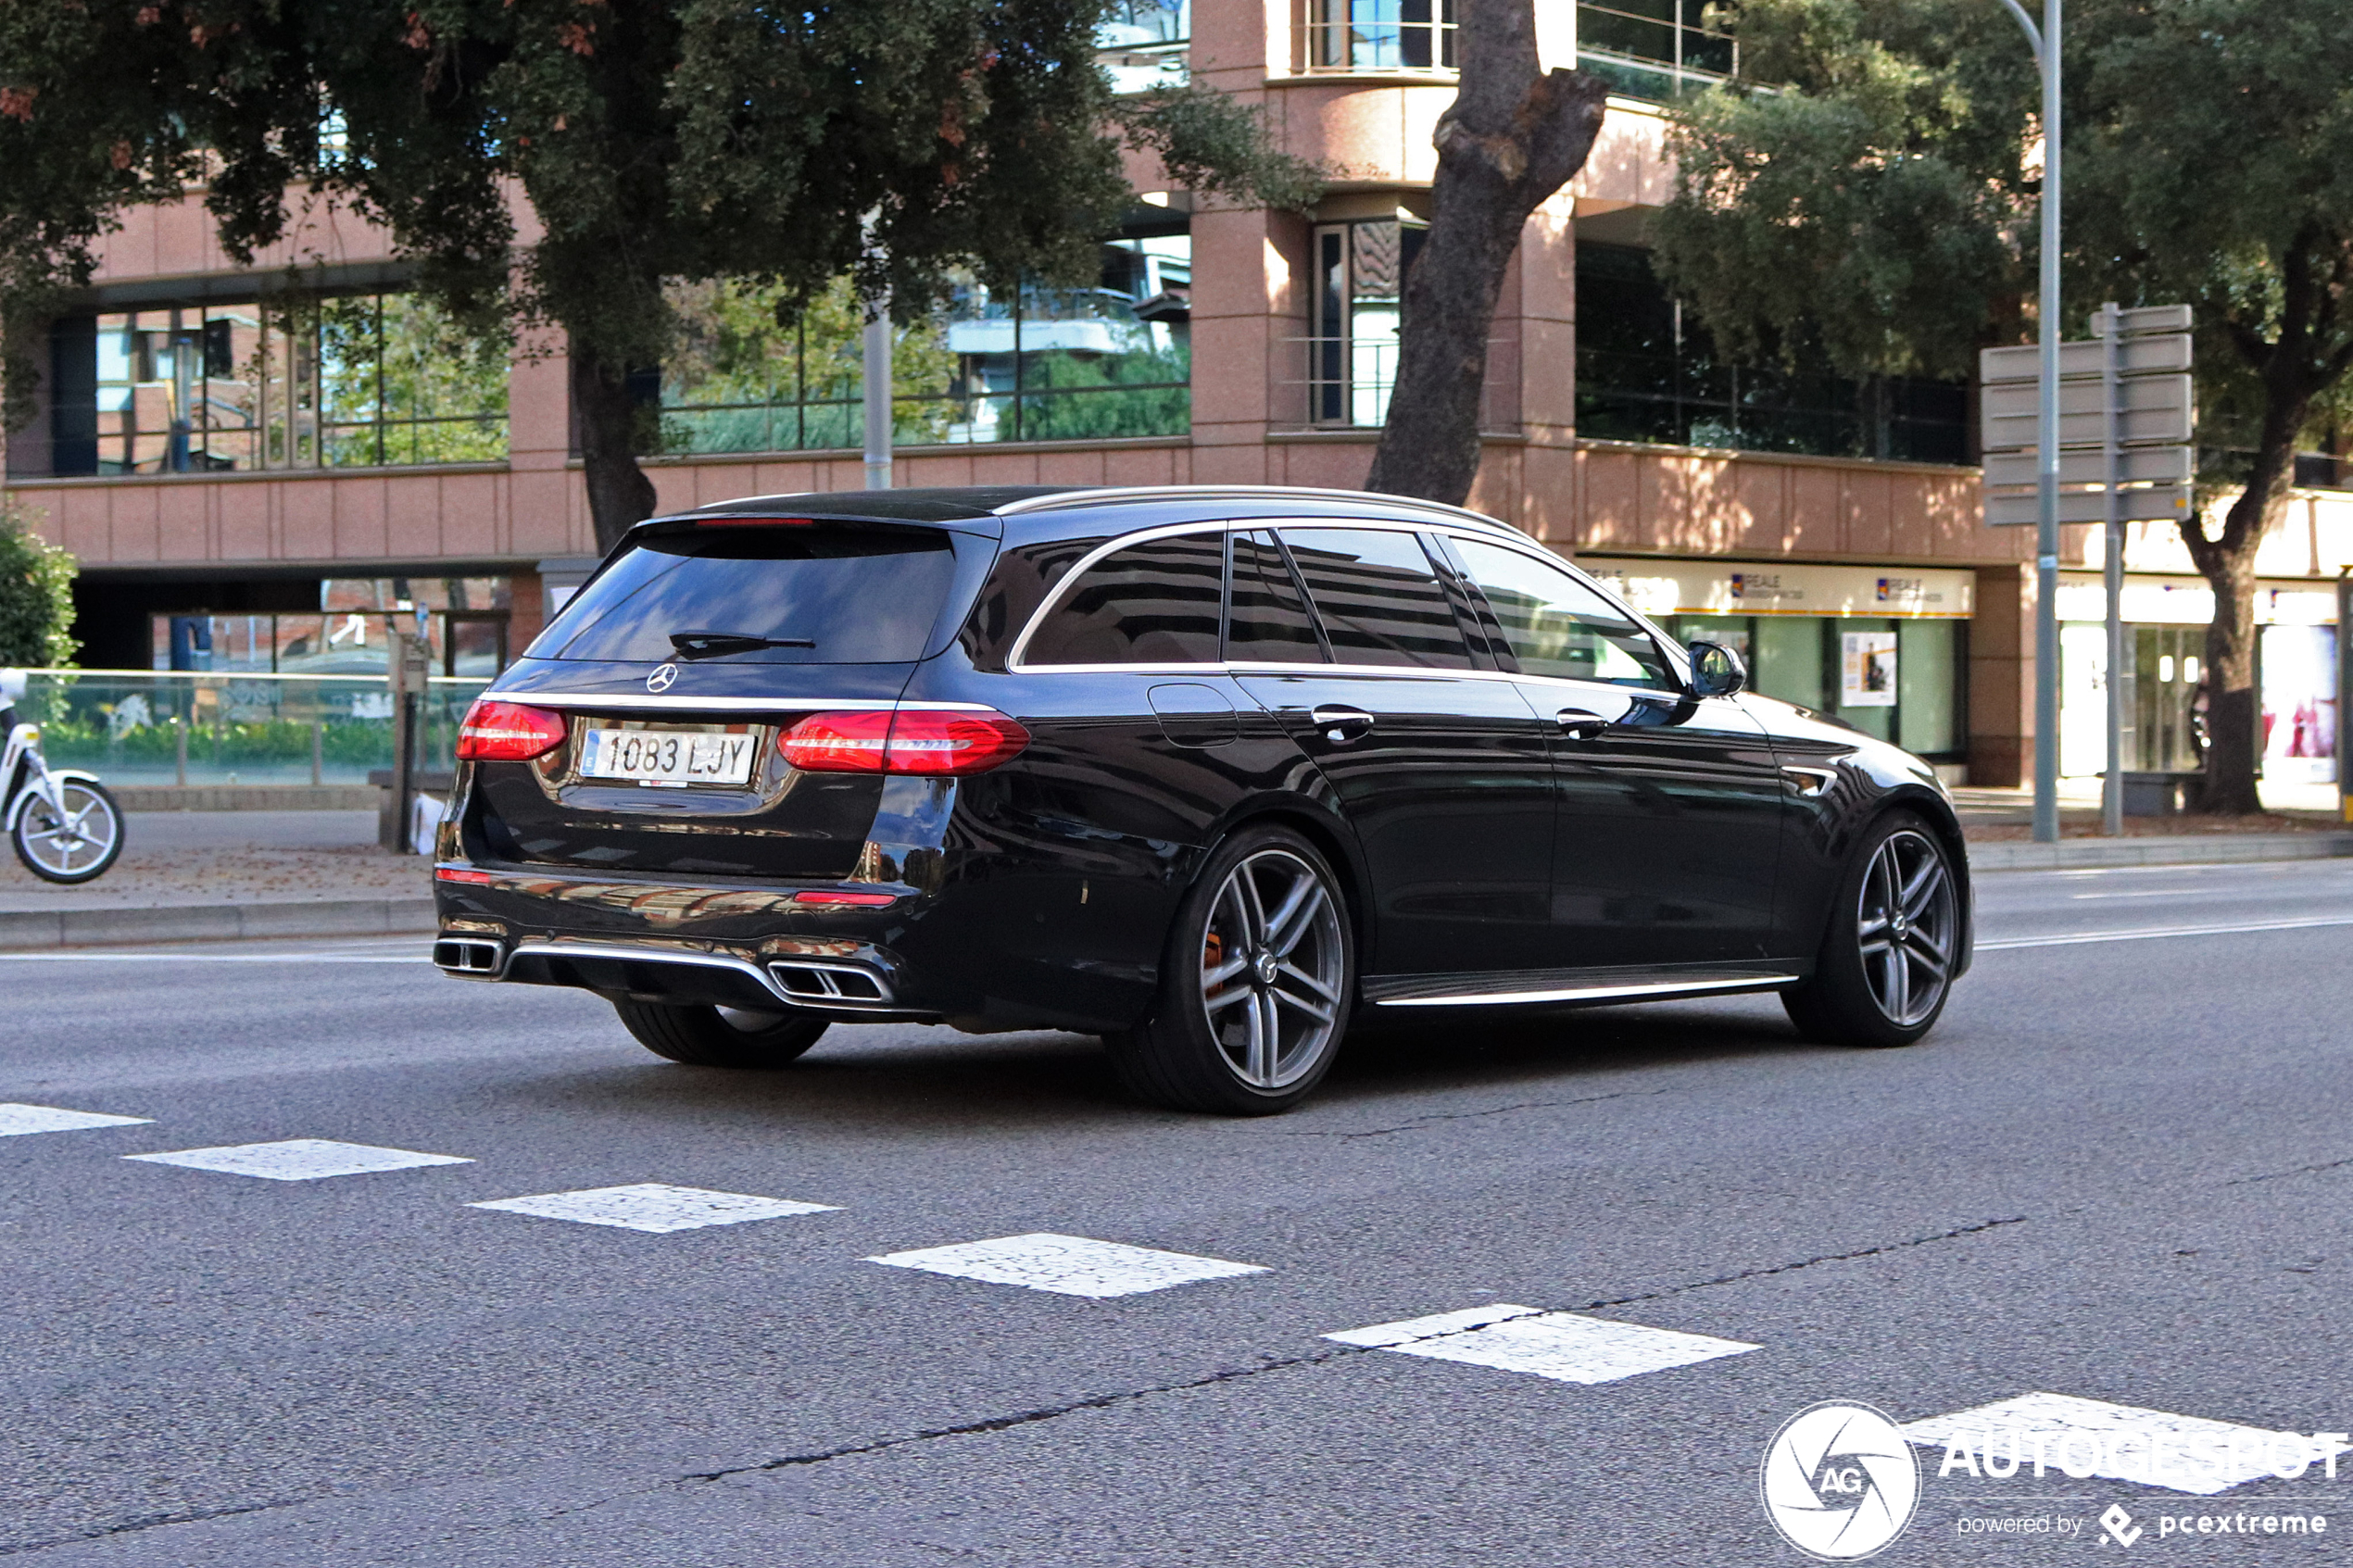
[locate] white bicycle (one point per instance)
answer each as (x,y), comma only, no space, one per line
(64,824)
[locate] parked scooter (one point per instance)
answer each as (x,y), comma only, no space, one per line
(64,824)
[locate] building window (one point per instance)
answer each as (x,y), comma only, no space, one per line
(1646,370)
(1656,49)
(1357,305)
(1899,679)
(1034,364)
(465,620)
(360,380)
(1381,36)
(1142,43)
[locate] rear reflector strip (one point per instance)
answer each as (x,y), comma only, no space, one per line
(856,900)
(456,873)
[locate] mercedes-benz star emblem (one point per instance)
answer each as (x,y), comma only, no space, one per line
(663,679)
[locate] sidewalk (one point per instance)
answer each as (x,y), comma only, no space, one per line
(188,876)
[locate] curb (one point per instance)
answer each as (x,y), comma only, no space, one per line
(2187,849)
(28,929)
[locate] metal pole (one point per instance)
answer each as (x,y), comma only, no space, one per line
(2046,536)
(878,401)
(2111,358)
(877,381)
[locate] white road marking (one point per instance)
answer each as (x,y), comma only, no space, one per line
(299,1159)
(18,1120)
(2003,944)
(1067,1265)
(2142,893)
(2194,1454)
(1561,1345)
(655,1206)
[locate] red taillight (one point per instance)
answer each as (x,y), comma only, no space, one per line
(454,873)
(936,742)
(855,900)
(836,743)
(507,731)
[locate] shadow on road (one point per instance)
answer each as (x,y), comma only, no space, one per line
(879,1079)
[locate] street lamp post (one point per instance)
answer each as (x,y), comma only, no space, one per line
(2046,40)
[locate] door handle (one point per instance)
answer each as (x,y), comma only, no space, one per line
(1341,725)
(1582,724)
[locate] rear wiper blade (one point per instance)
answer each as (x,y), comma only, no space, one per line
(711,645)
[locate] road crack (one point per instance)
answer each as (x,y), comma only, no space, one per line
(2298,1170)
(1806,1263)
(151,1521)
(1286,1363)
(1412,1122)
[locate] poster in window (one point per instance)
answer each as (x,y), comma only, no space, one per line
(1867,674)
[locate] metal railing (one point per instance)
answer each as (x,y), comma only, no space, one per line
(161,727)
(1344,383)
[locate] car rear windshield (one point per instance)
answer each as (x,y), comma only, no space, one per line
(852,595)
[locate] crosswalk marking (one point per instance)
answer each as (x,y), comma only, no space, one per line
(1561,1345)
(18,1120)
(2193,1454)
(299,1159)
(654,1206)
(1067,1265)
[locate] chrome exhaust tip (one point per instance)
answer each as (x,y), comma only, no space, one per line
(831,985)
(477,958)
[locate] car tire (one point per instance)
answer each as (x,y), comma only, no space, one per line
(1255,984)
(709,1037)
(1884,971)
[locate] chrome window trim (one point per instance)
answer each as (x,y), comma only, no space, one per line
(1677,661)
(1015,661)
(1063,500)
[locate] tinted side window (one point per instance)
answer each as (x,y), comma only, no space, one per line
(1269,621)
(1380,599)
(1556,625)
(1153,603)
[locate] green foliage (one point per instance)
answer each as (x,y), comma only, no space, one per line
(36,595)
(660,142)
(1874,200)
(401,357)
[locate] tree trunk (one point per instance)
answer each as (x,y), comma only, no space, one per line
(2233,708)
(1514,135)
(620,495)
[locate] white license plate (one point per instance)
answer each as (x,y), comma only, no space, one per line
(666,756)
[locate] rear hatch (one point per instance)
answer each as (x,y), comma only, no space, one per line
(679,665)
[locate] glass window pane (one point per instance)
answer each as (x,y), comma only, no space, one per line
(1379,600)
(860,596)
(1269,621)
(1556,625)
(1789,659)
(1926,684)
(1153,603)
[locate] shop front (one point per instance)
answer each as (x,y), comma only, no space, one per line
(1882,648)
(2163,683)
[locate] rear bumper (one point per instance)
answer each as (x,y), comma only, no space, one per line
(930,956)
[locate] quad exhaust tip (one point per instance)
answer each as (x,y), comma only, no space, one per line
(831,985)
(467,955)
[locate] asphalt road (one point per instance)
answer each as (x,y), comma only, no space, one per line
(2117,1171)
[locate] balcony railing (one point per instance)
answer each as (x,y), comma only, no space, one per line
(1344,383)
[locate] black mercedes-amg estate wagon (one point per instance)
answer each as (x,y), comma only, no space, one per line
(1210,773)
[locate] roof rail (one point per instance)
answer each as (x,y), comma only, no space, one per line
(1064,498)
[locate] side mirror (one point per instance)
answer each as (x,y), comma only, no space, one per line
(1716,671)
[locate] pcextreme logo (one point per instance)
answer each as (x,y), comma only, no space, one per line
(1839,1481)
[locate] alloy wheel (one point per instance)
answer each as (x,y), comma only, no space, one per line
(1272,968)
(1907,925)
